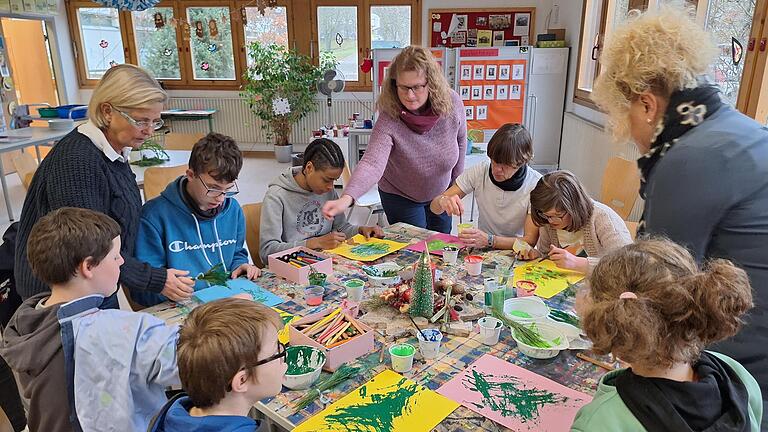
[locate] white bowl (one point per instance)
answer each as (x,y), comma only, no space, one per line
(383,281)
(308,356)
(549,333)
(533,306)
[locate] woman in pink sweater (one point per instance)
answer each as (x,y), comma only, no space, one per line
(417,147)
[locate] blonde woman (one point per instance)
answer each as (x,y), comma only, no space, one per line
(88,168)
(704,165)
(417,147)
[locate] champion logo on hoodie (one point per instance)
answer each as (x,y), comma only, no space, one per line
(181,246)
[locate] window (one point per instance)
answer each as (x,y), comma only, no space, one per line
(204,43)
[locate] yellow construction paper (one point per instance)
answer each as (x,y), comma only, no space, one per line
(548,277)
(287,317)
(388,402)
(367,250)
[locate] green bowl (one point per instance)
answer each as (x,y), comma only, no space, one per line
(305,363)
(48,112)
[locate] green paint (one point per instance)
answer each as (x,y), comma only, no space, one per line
(508,396)
(376,412)
(354,283)
(403,350)
(303,359)
(520,314)
(538,274)
(435,245)
(370,249)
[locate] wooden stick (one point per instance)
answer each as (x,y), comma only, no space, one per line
(356,324)
(329,317)
(331,329)
(323,326)
(340,332)
(595,362)
(337,343)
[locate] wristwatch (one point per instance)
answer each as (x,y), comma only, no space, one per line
(490,240)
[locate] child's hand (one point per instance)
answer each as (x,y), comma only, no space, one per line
(177,286)
(249,270)
(527,255)
(329,241)
(451,204)
(372,231)
(564,259)
(474,238)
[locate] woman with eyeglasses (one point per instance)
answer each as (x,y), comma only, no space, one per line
(417,146)
(89,168)
(574,230)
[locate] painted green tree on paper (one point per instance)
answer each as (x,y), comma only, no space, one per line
(370,249)
(379,413)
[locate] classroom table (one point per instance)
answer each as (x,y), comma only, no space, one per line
(18,139)
(191,115)
(455,353)
(177,157)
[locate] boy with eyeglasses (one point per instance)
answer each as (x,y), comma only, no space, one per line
(229,358)
(195,223)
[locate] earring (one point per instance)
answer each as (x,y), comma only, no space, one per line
(648,121)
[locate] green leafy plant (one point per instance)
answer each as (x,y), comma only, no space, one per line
(278,73)
(528,335)
(342,374)
(216,275)
(160,154)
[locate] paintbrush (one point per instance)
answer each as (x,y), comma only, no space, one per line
(595,362)
(417,328)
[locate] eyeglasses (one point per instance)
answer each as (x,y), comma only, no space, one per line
(416,89)
(280,354)
(215,193)
(555,219)
(142,124)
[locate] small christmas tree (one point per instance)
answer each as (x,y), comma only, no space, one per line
(423,301)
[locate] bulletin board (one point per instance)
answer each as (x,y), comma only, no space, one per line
(456,28)
(492,83)
(382,58)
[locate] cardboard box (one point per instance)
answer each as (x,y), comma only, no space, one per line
(299,275)
(345,353)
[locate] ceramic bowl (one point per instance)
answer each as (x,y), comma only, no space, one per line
(551,334)
(383,281)
(305,363)
(526,309)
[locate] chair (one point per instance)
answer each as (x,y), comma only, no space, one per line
(621,182)
(181,141)
(26,165)
(5,423)
(369,200)
(632,227)
(252,214)
(157,178)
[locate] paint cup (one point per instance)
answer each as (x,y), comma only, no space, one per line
(402,357)
(431,347)
(490,329)
(489,285)
(463,226)
(313,295)
(525,288)
(450,254)
(473,264)
(354,289)
(317,279)
(497,298)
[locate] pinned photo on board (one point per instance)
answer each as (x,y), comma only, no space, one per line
(490,72)
(504,72)
(464,92)
(472,37)
(484,38)
(488,92)
(479,72)
(514,91)
(498,38)
(518,71)
(459,38)
(477,92)
(482,112)
(522,24)
(499,22)
(470,112)
(466,72)
(481,21)
(502,92)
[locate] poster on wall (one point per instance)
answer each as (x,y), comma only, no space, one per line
(522,24)
(456,28)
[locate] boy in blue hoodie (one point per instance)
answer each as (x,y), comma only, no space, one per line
(229,358)
(195,223)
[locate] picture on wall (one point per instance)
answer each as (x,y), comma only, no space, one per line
(514,91)
(472,37)
(484,38)
(498,38)
(518,71)
(477,92)
(466,72)
(459,38)
(479,72)
(470,112)
(490,72)
(482,112)
(502,92)
(488,92)
(522,24)
(464,92)
(481,21)
(504,72)
(499,22)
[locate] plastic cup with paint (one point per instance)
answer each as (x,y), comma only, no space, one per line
(473,264)
(431,346)
(489,285)
(354,289)
(525,288)
(313,295)
(464,226)
(497,298)
(402,357)
(450,254)
(490,329)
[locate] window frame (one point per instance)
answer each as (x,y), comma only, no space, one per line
(287,4)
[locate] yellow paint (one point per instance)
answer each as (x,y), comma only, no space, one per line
(345,249)
(546,287)
(287,317)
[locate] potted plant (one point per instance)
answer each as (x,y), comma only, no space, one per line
(280,90)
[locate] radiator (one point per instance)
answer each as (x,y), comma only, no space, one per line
(233,118)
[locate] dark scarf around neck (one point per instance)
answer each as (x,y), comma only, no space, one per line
(687,109)
(513,183)
(191,205)
(420,123)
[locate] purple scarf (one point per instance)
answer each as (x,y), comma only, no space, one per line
(420,123)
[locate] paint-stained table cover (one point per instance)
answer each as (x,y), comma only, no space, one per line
(456,353)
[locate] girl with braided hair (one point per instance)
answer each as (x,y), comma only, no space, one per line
(291,214)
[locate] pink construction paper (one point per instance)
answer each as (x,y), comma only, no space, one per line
(514,397)
(447,238)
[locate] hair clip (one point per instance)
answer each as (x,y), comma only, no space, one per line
(628,295)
